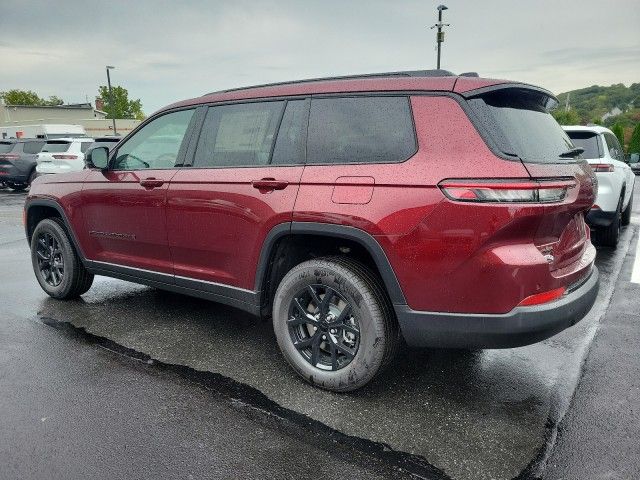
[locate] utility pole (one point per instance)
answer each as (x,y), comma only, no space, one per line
(566,106)
(113,110)
(440,34)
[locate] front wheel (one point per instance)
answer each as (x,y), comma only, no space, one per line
(334,323)
(58,268)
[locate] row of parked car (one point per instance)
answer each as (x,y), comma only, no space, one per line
(23,159)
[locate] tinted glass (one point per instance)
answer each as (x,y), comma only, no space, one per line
(521,125)
(238,135)
(84,146)
(156,145)
(32,147)
(290,144)
(360,130)
(6,147)
(613,145)
(588,141)
(56,147)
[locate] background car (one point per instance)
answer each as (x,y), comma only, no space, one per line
(63,155)
(18,161)
(634,163)
(109,142)
(613,205)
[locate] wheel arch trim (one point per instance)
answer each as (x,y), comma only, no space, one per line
(367,241)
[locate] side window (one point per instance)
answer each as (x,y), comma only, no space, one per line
(290,144)
(33,147)
(238,135)
(360,130)
(156,145)
(614,146)
(84,146)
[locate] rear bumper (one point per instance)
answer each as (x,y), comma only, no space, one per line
(521,326)
(600,218)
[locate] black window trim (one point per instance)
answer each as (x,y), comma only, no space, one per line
(184,145)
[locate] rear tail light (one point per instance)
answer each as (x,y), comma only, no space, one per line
(65,157)
(544,297)
(602,167)
(9,156)
(507,191)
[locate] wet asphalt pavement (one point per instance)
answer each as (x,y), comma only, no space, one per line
(135,382)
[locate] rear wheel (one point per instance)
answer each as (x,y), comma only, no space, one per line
(334,323)
(626,214)
(609,236)
(56,264)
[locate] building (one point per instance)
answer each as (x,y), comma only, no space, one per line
(92,119)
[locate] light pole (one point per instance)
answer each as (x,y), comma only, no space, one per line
(440,34)
(113,110)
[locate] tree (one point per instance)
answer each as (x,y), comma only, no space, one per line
(122,107)
(618,131)
(566,117)
(634,143)
(28,97)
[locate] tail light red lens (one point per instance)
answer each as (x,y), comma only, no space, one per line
(544,297)
(65,157)
(9,156)
(603,167)
(507,191)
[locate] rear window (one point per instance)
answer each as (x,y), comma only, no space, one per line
(360,130)
(32,147)
(55,147)
(588,141)
(6,147)
(519,121)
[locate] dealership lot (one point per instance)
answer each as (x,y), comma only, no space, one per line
(439,414)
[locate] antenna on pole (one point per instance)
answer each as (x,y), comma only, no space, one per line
(440,34)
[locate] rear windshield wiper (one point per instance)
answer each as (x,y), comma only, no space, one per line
(573,153)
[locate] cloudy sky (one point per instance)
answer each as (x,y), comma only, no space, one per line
(169,50)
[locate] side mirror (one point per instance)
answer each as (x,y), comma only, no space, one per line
(97,158)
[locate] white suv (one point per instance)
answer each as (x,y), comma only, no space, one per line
(62,155)
(615,181)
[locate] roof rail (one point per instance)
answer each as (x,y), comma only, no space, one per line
(408,73)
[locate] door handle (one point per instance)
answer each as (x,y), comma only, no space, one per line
(151,182)
(269,184)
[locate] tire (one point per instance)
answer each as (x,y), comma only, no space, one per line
(626,214)
(32,177)
(50,236)
(609,236)
(370,317)
(17,187)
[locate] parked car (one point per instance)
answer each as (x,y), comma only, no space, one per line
(62,155)
(616,180)
(109,141)
(18,161)
(354,211)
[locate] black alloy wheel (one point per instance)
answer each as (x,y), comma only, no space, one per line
(50,259)
(323,328)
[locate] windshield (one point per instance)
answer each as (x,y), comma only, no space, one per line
(6,147)
(56,147)
(519,121)
(588,141)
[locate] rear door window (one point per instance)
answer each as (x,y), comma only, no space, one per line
(589,141)
(360,130)
(238,135)
(614,146)
(519,122)
(84,146)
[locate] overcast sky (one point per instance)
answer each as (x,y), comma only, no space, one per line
(168,50)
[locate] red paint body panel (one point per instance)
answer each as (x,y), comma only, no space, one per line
(217,220)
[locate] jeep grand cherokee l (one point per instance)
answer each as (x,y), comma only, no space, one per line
(355,211)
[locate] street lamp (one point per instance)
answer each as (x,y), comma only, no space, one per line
(440,34)
(113,110)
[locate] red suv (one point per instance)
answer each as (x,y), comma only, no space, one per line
(446,210)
